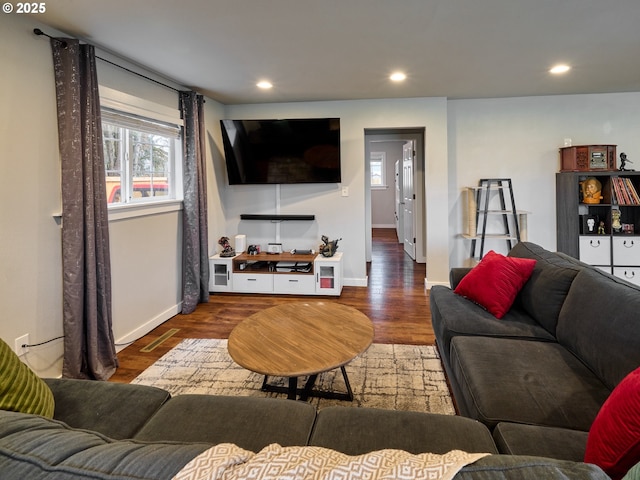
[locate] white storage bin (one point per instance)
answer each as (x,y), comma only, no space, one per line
(630,274)
(595,249)
(626,250)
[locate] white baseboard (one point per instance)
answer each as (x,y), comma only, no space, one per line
(146,327)
(384,225)
(355,282)
(428,284)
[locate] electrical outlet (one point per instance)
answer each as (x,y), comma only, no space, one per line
(20,341)
(345,191)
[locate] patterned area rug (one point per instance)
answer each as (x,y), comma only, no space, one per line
(396,377)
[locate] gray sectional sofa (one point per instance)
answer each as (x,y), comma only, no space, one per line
(116,431)
(538,377)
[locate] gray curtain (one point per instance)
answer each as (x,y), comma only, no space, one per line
(89,350)
(195,255)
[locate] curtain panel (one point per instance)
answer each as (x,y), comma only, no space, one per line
(89,349)
(195,245)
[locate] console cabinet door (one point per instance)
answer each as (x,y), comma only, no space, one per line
(220,277)
(328,273)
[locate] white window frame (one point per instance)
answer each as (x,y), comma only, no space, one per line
(138,107)
(381,157)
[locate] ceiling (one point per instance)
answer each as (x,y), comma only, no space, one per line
(346,49)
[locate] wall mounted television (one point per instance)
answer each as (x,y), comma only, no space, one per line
(301,150)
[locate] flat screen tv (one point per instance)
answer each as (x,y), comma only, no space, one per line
(303,150)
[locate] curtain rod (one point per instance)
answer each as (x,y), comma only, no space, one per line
(37,31)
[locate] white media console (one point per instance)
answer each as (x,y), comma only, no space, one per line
(281,273)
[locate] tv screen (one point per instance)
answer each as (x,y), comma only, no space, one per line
(282,151)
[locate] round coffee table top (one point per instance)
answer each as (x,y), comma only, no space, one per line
(300,338)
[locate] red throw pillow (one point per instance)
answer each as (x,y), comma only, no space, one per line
(614,438)
(495,282)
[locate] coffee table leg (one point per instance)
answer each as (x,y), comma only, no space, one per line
(293,388)
(308,388)
(346,382)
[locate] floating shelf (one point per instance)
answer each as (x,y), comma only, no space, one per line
(276,218)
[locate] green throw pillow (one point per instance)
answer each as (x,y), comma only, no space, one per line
(21,390)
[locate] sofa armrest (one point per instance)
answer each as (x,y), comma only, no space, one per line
(456,274)
(117,410)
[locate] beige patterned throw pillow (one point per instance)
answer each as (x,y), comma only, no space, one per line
(21,390)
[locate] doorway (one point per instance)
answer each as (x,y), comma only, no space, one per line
(395,194)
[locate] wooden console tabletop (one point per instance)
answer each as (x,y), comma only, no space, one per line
(300,339)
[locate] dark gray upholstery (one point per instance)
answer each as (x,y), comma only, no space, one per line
(115,410)
(250,423)
(35,448)
(355,431)
(600,324)
(540,383)
(560,443)
(453,315)
(542,392)
(510,467)
(551,279)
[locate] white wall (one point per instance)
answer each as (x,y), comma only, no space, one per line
(519,138)
(30,258)
(383,200)
(145,250)
(338,216)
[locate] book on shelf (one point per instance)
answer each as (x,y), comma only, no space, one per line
(624,192)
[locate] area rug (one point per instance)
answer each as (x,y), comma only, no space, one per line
(396,377)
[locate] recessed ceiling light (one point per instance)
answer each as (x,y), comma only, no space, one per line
(398,77)
(265,85)
(560,69)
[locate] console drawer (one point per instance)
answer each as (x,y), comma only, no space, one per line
(252,282)
(301,284)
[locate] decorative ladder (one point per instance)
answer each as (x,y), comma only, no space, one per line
(479,211)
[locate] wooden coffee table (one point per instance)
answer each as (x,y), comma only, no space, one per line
(301,339)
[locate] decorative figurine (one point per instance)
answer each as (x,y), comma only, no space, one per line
(616,226)
(227,249)
(623,161)
(601,228)
(591,190)
(328,248)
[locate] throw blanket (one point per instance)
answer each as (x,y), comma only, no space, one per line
(228,461)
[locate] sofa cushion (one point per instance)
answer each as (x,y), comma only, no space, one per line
(33,447)
(551,442)
(355,431)
(251,423)
(598,323)
(495,282)
(544,294)
(113,409)
(614,438)
(520,467)
(21,390)
(453,315)
(539,383)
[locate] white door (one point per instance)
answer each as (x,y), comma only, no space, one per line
(399,211)
(408,197)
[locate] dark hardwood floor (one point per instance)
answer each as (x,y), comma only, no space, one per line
(395,300)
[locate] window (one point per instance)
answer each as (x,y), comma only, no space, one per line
(140,156)
(377,164)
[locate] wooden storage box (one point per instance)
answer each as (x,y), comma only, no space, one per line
(588,158)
